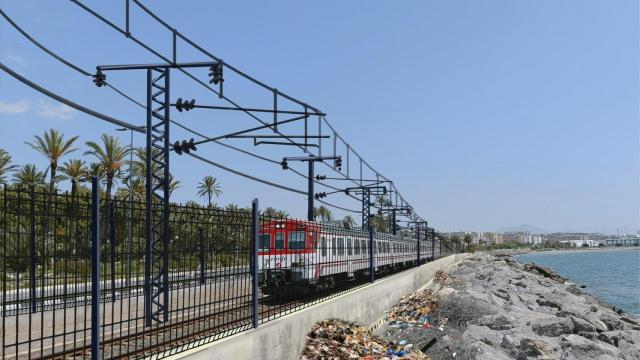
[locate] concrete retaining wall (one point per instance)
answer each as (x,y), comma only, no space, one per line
(284,338)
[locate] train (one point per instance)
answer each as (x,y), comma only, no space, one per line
(295,254)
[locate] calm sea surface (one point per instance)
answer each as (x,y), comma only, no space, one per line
(612,275)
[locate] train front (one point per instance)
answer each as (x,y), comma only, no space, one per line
(286,255)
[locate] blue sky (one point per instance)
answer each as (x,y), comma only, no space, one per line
(484,113)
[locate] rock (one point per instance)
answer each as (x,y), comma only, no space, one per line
(621,339)
(577,347)
(553,327)
(580,325)
(482,351)
(538,348)
(497,322)
(549,302)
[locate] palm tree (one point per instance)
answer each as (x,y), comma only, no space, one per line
(53,146)
(28,176)
(209,187)
(349,222)
(323,213)
(110,159)
(5,165)
(138,188)
(75,171)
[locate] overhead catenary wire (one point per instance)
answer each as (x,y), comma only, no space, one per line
(61,59)
(138,129)
(105,117)
(167,60)
(68,102)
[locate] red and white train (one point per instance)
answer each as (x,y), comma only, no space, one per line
(296,253)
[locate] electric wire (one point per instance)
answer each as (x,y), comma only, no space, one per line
(192,43)
(188,74)
(139,129)
(69,102)
(86,73)
(61,59)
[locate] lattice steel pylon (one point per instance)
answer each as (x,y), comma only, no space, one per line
(366,208)
(157,166)
(156,271)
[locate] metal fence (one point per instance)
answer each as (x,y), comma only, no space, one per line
(65,257)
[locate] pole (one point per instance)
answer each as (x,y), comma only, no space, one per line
(310,192)
(130,229)
(372,275)
(418,247)
(95,269)
(149,205)
(254,261)
(112,241)
(394,227)
(32,235)
(433,245)
(203,256)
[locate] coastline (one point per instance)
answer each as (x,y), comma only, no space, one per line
(578,250)
(495,307)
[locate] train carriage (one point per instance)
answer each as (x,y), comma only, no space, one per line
(294,254)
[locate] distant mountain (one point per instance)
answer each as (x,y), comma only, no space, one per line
(524,227)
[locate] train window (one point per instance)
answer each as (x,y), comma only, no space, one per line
(364,246)
(296,240)
(333,246)
(279,241)
(356,246)
(323,245)
(265,242)
(349,250)
(340,246)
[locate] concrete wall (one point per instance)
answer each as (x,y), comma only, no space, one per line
(284,338)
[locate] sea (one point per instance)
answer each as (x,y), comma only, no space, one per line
(613,275)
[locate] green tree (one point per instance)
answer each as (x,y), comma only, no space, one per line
(53,146)
(209,187)
(323,214)
(111,156)
(273,213)
(467,239)
(74,170)
(5,165)
(349,222)
(28,176)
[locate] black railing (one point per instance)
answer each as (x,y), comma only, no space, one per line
(229,270)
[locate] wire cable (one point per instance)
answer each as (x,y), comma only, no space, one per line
(61,59)
(188,74)
(69,102)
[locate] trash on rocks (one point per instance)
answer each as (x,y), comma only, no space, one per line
(414,309)
(443,278)
(335,339)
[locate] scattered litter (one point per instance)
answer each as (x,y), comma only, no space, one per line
(443,278)
(335,339)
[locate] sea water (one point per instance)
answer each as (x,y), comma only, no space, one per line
(611,274)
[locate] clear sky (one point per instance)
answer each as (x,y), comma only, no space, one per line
(485,113)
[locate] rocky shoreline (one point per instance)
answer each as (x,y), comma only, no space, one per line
(491,306)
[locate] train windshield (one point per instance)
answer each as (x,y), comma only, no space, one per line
(279,241)
(265,242)
(296,240)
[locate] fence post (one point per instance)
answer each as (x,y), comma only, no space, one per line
(112,242)
(433,245)
(254,260)
(372,276)
(418,247)
(32,238)
(95,269)
(203,256)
